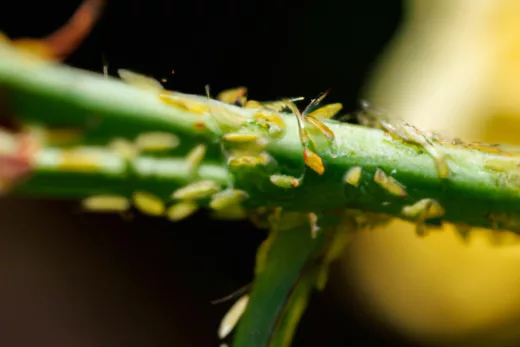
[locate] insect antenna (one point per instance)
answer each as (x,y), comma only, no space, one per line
(314,102)
(239,292)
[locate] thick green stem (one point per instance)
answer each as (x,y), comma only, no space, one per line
(479,184)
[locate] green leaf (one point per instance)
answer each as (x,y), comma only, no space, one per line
(289,265)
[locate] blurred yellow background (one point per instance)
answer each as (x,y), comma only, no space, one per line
(454,67)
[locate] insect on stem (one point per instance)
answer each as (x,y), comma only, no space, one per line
(239,292)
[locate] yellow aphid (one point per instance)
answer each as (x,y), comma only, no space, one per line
(228,120)
(284,181)
(241,138)
(440,165)
(148,203)
(184,103)
(325,130)
(424,209)
(227,198)
(157,141)
(124,148)
(246,143)
(195,157)
(326,112)
(139,80)
(232,317)
(58,137)
(232,212)
(248,160)
(501,165)
(353,176)
(106,203)
(313,161)
(390,184)
(270,118)
(231,96)
(81,161)
(197,190)
(270,122)
(252,104)
(181,210)
(410,134)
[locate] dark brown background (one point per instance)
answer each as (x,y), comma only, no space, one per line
(71,279)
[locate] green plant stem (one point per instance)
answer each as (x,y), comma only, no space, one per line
(113,175)
(56,95)
(286,276)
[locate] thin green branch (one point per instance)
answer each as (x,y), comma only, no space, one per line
(289,274)
(482,188)
(111,174)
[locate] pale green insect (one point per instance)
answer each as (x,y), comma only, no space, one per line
(233,96)
(106,203)
(284,181)
(421,211)
(195,157)
(226,198)
(241,138)
(248,160)
(270,123)
(82,160)
(124,148)
(184,102)
(140,81)
(232,317)
(157,141)
(148,203)
(228,120)
(53,136)
(405,132)
(245,143)
(181,210)
(501,165)
(353,176)
(424,209)
(390,184)
(197,190)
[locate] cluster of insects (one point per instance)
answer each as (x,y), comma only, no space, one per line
(244,139)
